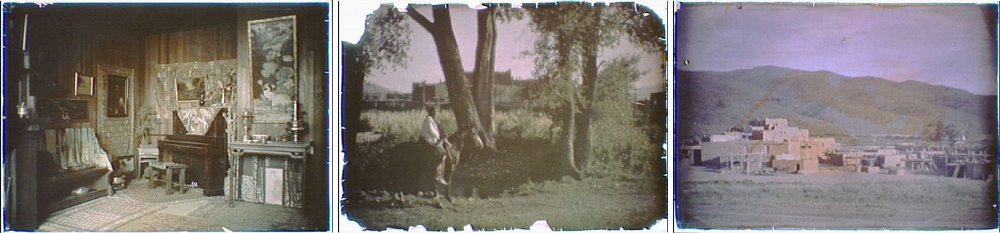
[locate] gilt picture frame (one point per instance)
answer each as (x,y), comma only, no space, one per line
(189,89)
(118,96)
(84,85)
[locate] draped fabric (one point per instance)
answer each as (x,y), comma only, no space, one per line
(197,120)
(76,148)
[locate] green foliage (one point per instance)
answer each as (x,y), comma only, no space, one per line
(523,125)
(621,146)
(637,23)
(565,22)
(937,131)
(562,29)
(505,13)
(614,90)
(558,51)
(386,39)
(622,151)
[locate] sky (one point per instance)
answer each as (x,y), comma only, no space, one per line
(947,45)
(513,38)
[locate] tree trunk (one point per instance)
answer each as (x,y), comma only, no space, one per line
(459,92)
(585,143)
(569,137)
(585,125)
(483,72)
(354,83)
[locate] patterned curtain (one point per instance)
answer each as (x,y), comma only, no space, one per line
(76,148)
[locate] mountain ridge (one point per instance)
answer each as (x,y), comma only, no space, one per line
(825,102)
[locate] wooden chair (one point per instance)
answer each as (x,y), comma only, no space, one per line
(147,154)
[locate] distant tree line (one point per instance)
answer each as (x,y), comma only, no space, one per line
(939,131)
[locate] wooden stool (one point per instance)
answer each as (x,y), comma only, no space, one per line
(168,168)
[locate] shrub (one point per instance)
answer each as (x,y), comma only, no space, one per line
(522,124)
(622,151)
(405,125)
(624,145)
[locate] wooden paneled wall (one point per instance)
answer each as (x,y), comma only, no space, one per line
(198,45)
(59,50)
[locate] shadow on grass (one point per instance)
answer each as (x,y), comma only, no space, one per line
(407,167)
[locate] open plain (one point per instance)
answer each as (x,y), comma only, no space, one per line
(832,199)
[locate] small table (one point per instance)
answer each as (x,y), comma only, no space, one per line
(168,167)
(293,150)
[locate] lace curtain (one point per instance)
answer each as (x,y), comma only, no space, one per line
(197,120)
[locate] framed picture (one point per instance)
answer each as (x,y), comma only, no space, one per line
(64,110)
(117,100)
(190,89)
(273,68)
(84,85)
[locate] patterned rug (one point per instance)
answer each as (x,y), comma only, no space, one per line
(168,222)
(102,214)
(140,191)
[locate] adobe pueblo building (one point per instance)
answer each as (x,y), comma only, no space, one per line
(770,145)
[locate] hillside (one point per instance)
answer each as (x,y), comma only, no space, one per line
(826,103)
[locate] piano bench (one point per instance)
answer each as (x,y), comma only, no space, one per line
(167,170)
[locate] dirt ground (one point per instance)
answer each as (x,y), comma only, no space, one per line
(832,199)
(566,204)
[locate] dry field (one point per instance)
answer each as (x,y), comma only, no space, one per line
(832,199)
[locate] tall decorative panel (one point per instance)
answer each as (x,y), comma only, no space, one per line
(116,113)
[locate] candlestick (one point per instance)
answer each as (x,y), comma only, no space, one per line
(247,120)
(295,115)
(296,126)
(24,34)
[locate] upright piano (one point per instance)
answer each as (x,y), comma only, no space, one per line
(203,152)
